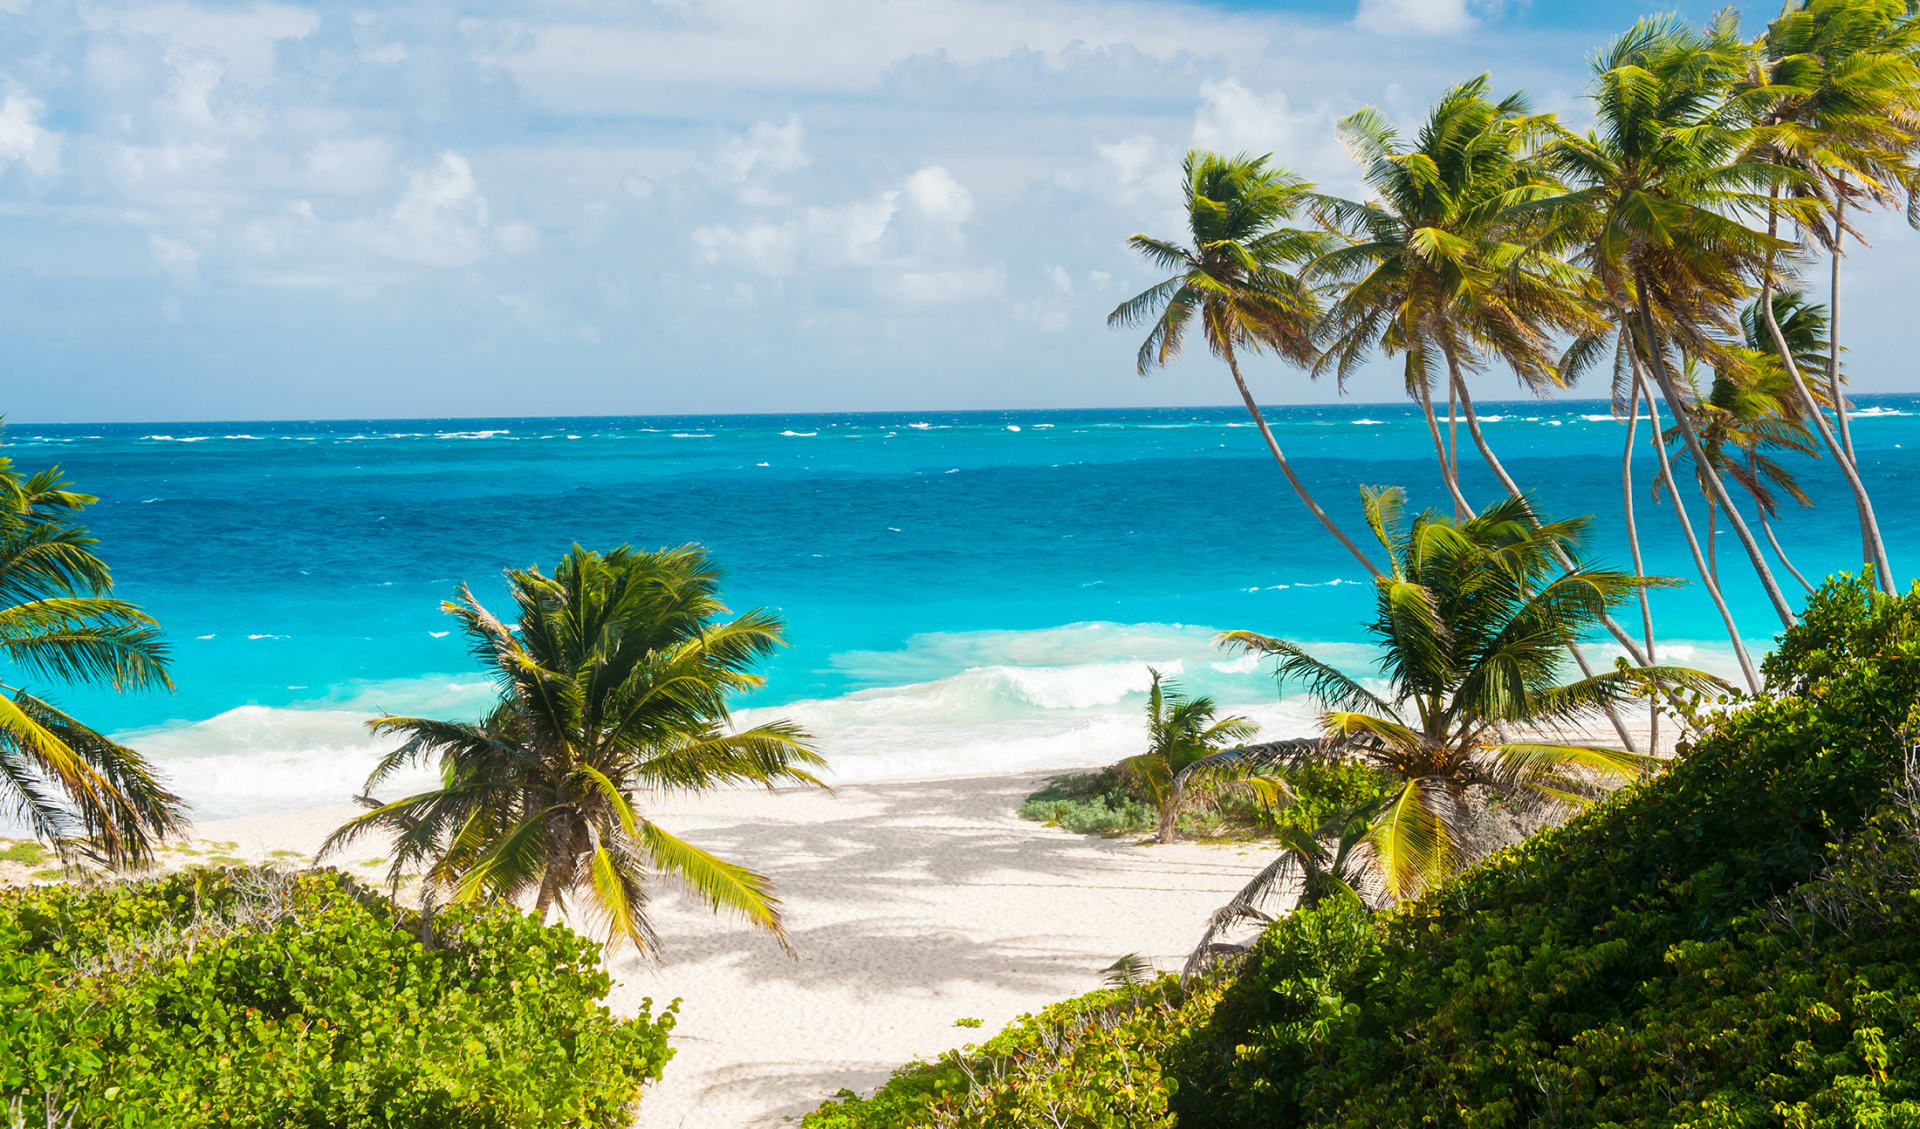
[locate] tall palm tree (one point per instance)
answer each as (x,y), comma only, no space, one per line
(1438,263)
(1471,624)
(1836,86)
(613,681)
(1239,278)
(1180,731)
(1660,184)
(82,793)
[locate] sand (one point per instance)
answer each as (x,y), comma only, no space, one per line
(911,905)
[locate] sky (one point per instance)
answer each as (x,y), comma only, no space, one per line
(219,211)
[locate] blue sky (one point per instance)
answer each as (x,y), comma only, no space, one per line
(271,211)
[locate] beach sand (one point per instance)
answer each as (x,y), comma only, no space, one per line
(911,905)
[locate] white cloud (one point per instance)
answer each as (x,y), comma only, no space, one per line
(1414,17)
(24,140)
(939,197)
(774,148)
(243,37)
(1131,158)
(763,247)
(944,286)
(176,258)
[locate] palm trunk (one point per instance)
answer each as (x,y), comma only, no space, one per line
(1875,548)
(1286,468)
(1459,389)
(1841,414)
(1713,556)
(1766,527)
(1717,490)
(544,902)
(1633,545)
(1448,472)
(1168,830)
(1693,543)
(1513,490)
(1453,432)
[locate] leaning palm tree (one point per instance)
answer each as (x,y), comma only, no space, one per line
(613,681)
(1438,264)
(1471,624)
(1659,187)
(1182,730)
(1238,277)
(1835,85)
(82,793)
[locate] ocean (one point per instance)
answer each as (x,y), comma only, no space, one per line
(965,592)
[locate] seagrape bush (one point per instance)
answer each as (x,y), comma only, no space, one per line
(1736,943)
(249,997)
(1103,803)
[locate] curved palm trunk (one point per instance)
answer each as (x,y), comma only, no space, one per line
(1713,538)
(1766,527)
(1286,468)
(1449,472)
(1839,402)
(1453,432)
(1459,390)
(1693,543)
(1513,489)
(1874,547)
(1633,545)
(1717,490)
(544,903)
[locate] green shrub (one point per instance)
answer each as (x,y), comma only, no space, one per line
(1736,943)
(260,998)
(26,853)
(1101,803)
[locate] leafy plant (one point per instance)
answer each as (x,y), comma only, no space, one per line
(614,681)
(1181,731)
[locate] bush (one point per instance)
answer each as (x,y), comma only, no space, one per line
(1101,803)
(259,998)
(1736,943)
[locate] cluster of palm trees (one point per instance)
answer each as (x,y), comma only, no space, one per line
(1669,238)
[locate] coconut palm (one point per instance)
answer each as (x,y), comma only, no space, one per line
(80,792)
(1181,731)
(1332,862)
(1659,186)
(1238,277)
(1439,265)
(613,681)
(1471,624)
(1836,86)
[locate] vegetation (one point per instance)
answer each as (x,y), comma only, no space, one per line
(1471,625)
(615,679)
(1102,803)
(1732,943)
(81,793)
(1181,732)
(256,998)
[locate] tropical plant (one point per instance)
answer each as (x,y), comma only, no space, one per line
(1181,732)
(79,791)
(1471,624)
(1331,861)
(613,681)
(1836,86)
(1440,266)
(1658,189)
(1239,278)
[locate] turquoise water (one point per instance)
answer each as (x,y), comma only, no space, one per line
(965,592)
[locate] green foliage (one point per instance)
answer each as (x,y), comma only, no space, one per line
(24,853)
(1736,943)
(615,680)
(262,999)
(1103,803)
(1091,1063)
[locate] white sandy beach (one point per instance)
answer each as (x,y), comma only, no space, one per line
(912,905)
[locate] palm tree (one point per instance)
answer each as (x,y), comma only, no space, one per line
(614,681)
(1658,188)
(1238,278)
(1180,731)
(1837,88)
(1330,863)
(1471,624)
(1437,266)
(82,793)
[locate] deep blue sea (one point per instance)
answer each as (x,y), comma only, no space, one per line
(964,592)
